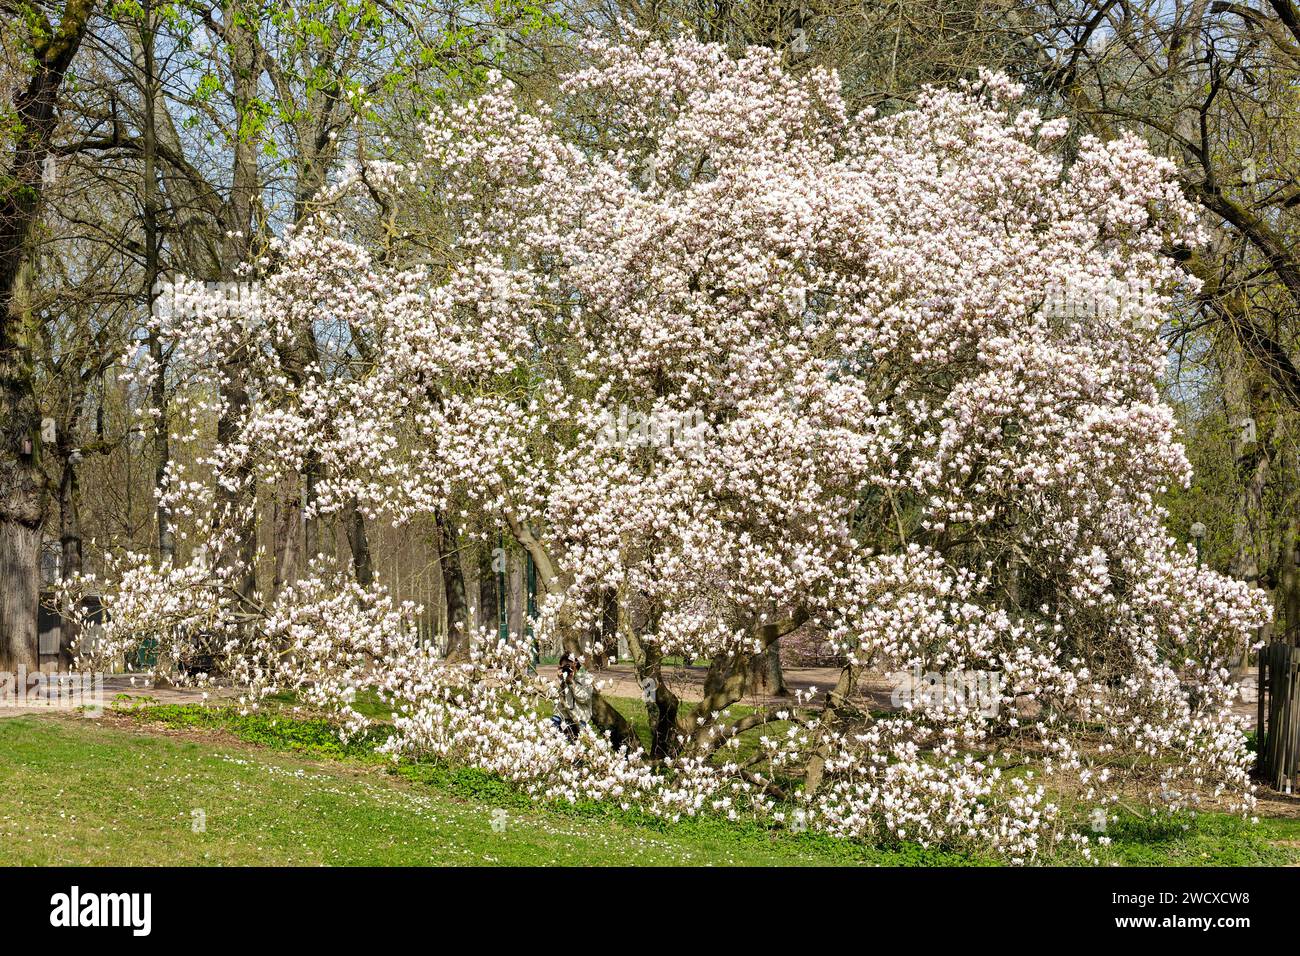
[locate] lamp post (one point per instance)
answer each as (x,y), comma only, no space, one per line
(1198,535)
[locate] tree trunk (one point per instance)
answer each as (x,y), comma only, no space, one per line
(237,514)
(488,593)
(21,505)
(34,115)
(516,601)
(1287,608)
(604,642)
(728,677)
(765,674)
(453,583)
(20,582)
(152,196)
(362,565)
(287,536)
(161,449)
(70,555)
(311,523)
(662,707)
(832,722)
(240,505)
(1288,585)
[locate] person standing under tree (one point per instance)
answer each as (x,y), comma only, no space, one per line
(573,698)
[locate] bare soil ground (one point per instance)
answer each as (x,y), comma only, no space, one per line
(688,684)
(876,688)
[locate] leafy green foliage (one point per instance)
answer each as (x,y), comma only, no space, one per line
(265,728)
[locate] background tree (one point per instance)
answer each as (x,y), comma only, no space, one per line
(44,51)
(1211,86)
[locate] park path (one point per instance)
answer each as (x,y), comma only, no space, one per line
(112,687)
(688,684)
(619,680)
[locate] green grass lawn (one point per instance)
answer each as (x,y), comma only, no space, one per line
(80,792)
(275,789)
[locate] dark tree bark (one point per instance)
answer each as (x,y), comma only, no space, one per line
(239,505)
(20,551)
(362,565)
(69,548)
(21,500)
(453,583)
(35,108)
(488,593)
(236,506)
(287,536)
(152,207)
(765,674)
(604,642)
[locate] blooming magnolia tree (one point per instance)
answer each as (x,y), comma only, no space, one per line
(891,378)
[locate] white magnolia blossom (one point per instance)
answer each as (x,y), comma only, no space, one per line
(894,435)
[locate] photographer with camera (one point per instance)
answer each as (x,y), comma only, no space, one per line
(573,697)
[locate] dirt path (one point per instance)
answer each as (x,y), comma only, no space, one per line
(89,695)
(688,684)
(618,681)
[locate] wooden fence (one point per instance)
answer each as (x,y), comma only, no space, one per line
(1279,716)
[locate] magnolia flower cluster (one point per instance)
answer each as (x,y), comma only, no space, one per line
(897,437)
(488,712)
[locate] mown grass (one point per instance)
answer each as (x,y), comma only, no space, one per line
(279,787)
(81,792)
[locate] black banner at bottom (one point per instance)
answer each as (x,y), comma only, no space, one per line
(141,907)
